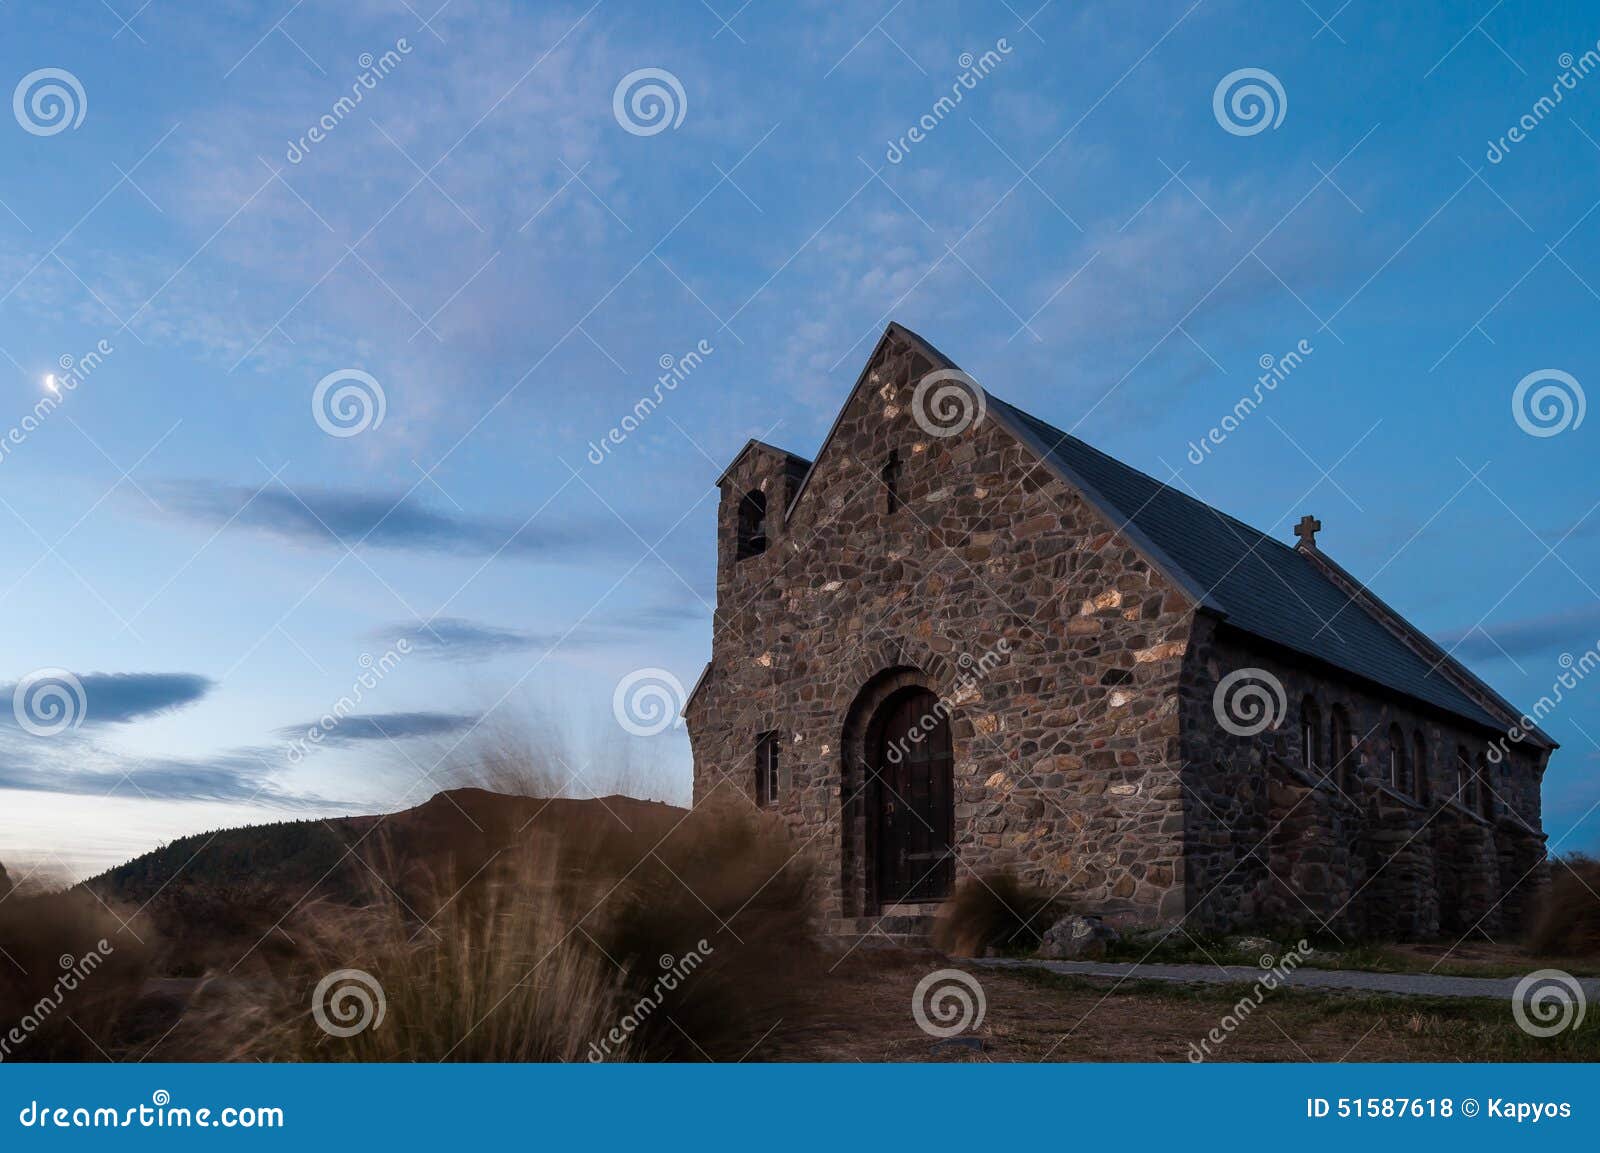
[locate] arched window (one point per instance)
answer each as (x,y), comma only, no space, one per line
(1419,765)
(1463,778)
(1485,789)
(1342,749)
(1399,771)
(1311,736)
(752,525)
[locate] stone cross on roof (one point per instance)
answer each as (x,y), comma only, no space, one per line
(1307,531)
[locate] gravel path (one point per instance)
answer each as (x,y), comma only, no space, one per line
(1417,984)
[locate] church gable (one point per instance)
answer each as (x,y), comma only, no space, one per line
(941,559)
(917,440)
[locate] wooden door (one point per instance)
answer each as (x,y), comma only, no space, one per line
(915,811)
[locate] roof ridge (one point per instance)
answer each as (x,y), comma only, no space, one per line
(1120,463)
(1175,557)
(1455,670)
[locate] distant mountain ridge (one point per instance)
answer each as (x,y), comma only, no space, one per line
(337,857)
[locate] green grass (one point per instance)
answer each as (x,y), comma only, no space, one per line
(1182,948)
(1453,1028)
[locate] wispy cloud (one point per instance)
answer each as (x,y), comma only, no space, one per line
(324,517)
(383,727)
(73,766)
(1571,630)
(458,639)
(452,638)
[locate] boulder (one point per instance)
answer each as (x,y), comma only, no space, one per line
(1077,938)
(1254,946)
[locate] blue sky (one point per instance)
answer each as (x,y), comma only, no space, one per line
(485,240)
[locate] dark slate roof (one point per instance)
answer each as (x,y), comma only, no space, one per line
(1259,585)
(1262,586)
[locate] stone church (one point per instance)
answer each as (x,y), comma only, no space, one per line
(961,640)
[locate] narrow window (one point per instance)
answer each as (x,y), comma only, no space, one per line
(891,482)
(1310,735)
(752,525)
(1485,790)
(1399,774)
(767,770)
(1419,765)
(1343,750)
(1463,778)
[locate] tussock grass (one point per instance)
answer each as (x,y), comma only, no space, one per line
(58,1001)
(615,945)
(1569,922)
(995,911)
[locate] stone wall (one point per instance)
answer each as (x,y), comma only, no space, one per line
(1057,646)
(1272,842)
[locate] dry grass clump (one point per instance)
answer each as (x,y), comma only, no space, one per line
(528,918)
(69,973)
(1569,920)
(995,911)
(596,944)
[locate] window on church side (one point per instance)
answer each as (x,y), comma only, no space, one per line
(767,770)
(1485,789)
(1310,735)
(1343,749)
(1399,771)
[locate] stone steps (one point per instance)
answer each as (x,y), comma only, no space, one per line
(901,925)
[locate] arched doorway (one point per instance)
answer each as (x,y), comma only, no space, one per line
(910,798)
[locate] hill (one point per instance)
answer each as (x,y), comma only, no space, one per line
(216,896)
(452,830)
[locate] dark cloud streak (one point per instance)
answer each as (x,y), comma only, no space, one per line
(1573,630)
(381,727)
(118,698)
(458,639)
(325,517)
